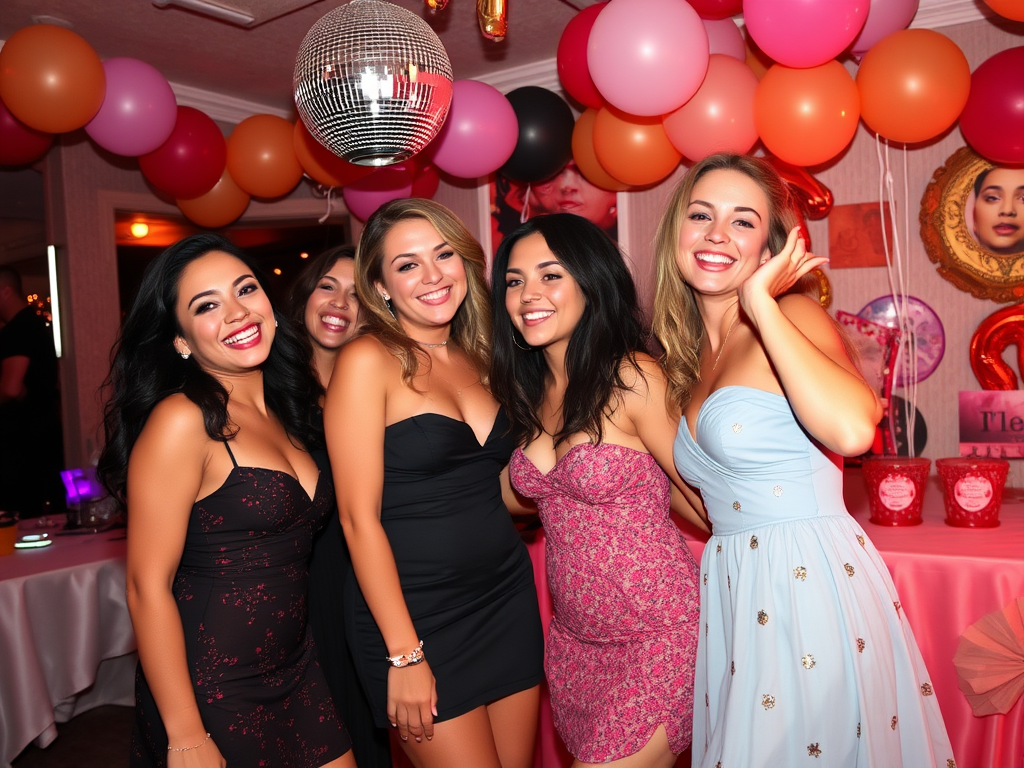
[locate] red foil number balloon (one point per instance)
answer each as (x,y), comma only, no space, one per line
(995,333)
(815,198)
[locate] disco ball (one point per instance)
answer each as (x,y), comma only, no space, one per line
(372,82)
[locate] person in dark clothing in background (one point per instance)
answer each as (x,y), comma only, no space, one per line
(31,445)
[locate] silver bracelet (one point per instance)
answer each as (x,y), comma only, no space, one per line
(186,749)
(415,656)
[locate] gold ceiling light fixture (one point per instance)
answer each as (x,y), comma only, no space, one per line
(492,16)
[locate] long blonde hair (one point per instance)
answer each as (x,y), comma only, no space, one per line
(471,326)
(677,323)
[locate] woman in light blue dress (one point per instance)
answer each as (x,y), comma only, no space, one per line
(805,657)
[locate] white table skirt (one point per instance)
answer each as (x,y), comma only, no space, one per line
(66,640)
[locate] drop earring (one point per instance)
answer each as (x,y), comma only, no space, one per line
(387,303)
(185,355)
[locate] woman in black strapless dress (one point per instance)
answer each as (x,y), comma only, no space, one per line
(211,408)
(442,616)
(323,302)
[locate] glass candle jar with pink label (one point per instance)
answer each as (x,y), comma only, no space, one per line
(895,487)
(972,489)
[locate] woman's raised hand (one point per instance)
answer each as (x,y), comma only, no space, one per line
(776,275)
(412,701)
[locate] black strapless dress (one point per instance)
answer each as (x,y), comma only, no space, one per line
(241,590)
(466,576)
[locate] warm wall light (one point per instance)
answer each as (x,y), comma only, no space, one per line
(277,270)
(303,255)
(51,263)
(139,229)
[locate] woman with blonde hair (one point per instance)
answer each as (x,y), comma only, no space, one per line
(442,615)
(805,652)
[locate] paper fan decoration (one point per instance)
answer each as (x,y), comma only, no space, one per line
(989,660)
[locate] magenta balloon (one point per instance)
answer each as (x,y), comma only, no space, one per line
(725,37)
(804,33)
(993,119)
(647,57)
(884,18)
(19,144)
(480,133)
(138,111)
(369,193)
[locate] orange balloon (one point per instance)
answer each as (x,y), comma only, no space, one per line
(806,116)
(261,156)
(1009,9)
(218,207)
(913,85)
(756,59)
(51,79)
(634,150)
(585,157)
(322,165)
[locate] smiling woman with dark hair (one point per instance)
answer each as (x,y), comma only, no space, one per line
(589,414)
(211,415)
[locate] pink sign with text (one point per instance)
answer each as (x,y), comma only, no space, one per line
(992,423)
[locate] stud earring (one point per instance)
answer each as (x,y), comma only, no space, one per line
(185,355)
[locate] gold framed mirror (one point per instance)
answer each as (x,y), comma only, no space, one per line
(972,225)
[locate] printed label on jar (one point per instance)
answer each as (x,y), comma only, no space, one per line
(896,492)
(973,492)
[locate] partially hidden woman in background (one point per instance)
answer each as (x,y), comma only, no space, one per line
(208,426)
(588,408)
(805,652)
(323,302)
(443,621)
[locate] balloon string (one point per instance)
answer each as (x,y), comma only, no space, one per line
(905,364)
(327,214)
(524,215)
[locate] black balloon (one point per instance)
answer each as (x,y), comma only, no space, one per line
(545,135)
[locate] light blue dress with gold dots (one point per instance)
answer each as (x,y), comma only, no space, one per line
(805,657)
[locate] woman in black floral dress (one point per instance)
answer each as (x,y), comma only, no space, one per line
(208,427)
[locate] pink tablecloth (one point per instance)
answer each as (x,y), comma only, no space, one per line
(947,578)
(66,641)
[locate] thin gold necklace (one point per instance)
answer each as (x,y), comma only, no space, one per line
(432,346)
(725,341)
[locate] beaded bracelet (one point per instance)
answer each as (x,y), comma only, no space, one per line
(186,749)
(415,656)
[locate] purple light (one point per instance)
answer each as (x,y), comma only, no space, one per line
(81,485)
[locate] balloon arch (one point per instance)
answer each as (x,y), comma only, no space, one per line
(636,123)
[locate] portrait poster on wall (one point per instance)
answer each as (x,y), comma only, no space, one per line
(512,203)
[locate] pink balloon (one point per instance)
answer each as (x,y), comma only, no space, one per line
(369,193)
(884,18)
(720,116)
(480,133)
(573,71)
(993,119)
(19,144)
(138,111)
(725,37)
(647,57)
(804,33)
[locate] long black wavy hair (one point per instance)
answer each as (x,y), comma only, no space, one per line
(145,368)
(610,331)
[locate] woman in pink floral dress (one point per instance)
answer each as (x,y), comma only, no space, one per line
(588,409)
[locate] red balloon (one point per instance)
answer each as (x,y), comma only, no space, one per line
(993,119)
(813,197)
(572,57)
(191,161)
(996,332)
(19,144)
(717,9)
(425,182)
